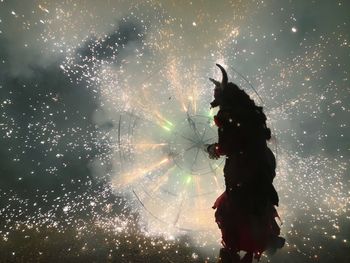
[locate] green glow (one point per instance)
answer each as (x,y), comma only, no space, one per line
(211,113)
(188,179)
(168,122)
(166,128)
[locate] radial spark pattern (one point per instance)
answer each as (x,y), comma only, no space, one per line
(105,117)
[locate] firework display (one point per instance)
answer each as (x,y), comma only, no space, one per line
(105,119)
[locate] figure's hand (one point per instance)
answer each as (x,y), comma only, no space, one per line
(211,149)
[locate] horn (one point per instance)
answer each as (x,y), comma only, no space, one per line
(224,75)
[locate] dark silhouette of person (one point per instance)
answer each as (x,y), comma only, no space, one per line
(245,212)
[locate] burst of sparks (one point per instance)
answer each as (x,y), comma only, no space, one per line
(153,120)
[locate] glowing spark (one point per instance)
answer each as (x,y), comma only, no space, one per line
(43,9)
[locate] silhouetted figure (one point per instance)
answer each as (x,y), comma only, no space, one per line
(245,212)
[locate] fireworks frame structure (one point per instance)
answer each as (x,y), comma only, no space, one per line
(105,119)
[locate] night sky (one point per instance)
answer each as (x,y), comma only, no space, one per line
(103,104)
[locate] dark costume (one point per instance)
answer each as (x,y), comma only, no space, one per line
(245,212)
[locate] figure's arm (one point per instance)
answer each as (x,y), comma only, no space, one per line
(228,135)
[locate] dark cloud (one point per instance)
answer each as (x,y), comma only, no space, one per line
(53,136)
(115,44)
(44,110)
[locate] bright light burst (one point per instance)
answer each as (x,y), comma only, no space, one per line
(147,66)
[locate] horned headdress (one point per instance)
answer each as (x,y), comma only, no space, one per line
(219,87)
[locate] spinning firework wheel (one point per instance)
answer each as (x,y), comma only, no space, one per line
(161,156)
(178,182)
(189,143)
